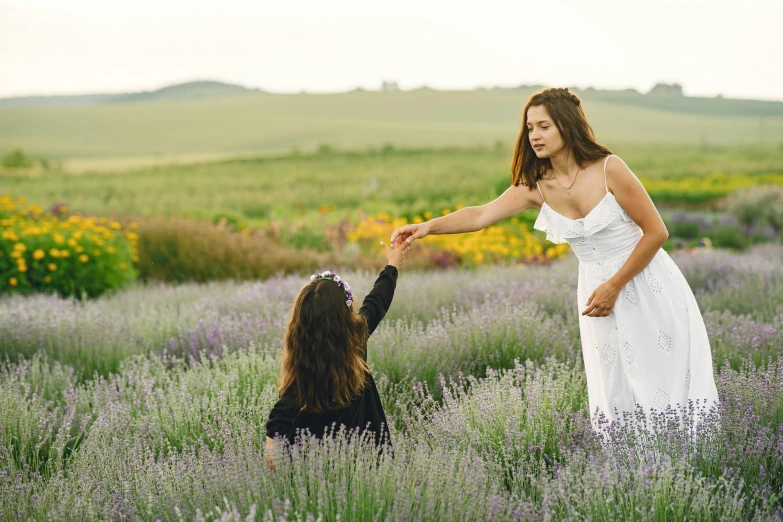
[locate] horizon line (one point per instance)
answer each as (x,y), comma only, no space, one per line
(306,91)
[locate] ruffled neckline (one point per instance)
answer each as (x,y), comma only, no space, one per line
(588,214)
(559,228)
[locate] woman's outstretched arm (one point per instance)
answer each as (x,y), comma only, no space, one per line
(470,219)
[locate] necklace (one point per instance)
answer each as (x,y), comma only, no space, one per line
(568,188)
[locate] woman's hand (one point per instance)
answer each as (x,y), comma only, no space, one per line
(396,255)
(602,300)
(409,233)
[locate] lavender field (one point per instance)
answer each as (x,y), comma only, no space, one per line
(150,405)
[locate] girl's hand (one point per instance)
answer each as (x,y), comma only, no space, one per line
(410,233)
(602,300)
(396,256)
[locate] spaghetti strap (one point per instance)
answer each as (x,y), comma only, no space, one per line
(605,162)
(539,191)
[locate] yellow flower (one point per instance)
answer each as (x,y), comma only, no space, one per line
(16,254)
(83,258)
(13,281)
(133,224)
(52,267)
(111,249)
(79,248)
(65,253)
(72,242)
(48,279)
(20,247)
(59,239)
(123,266)
(96,252)
(54,252)
(38,254)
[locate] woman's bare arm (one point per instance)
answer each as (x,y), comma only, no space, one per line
(470,219)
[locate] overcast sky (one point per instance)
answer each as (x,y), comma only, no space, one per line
(85,46)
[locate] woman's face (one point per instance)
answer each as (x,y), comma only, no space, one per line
(544,137)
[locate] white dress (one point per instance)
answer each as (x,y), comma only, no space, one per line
(653,348)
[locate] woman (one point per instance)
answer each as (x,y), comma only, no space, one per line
(643,338)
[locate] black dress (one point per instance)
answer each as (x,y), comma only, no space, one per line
(365,411)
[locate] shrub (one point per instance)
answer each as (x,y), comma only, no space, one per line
(729,236)
(76,256)
(17,159)
(180,250)
(757,206)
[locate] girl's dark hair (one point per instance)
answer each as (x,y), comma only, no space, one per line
(565,109)
(324,349)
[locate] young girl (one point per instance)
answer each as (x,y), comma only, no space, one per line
(324,374)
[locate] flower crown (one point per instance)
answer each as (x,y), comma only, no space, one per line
(342,284)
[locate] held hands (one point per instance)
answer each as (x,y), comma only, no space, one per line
(409,233)
(396,255)
(602,300)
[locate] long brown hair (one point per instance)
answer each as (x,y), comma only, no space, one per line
(324,349)
(565,108)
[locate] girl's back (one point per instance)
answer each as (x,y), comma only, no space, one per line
(365,411)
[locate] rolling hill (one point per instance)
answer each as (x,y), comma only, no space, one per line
(208,119)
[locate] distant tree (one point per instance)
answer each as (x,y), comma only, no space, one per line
(389,85)
(17,159)
(667,88)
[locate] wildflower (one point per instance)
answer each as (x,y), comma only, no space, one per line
(83,258)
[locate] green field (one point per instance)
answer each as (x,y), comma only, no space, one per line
(286,188)
(129,134)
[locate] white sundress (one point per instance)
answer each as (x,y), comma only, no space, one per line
(652,349)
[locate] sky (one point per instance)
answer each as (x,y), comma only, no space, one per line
(710,47)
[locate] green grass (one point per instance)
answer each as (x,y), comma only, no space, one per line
(292,188)
(265,123)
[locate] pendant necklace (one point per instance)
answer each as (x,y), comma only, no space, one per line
(568,188)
